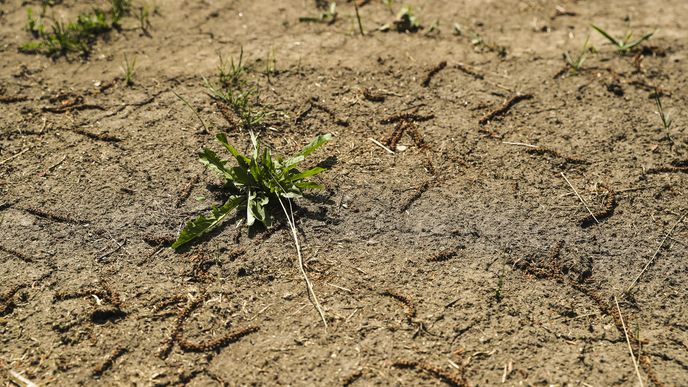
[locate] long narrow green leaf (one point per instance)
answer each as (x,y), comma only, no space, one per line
(308,149)
(203,224)
(308,185)
(290,162)
(308,173)
(254,144)
(643,38)
(243,160)
(315,144)
(606,35)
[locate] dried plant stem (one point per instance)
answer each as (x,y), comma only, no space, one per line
(628,341)
(579,197)
(656,253)
(312,296)
(358,17)
(519,144)
(20,380)
(14,156)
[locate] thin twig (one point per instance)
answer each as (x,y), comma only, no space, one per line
(656,253)
(116,249)
(378,143)
(519,144)
(579,197)
(628,341)
(309,285)
(14,156)
(340,287)
(20,380)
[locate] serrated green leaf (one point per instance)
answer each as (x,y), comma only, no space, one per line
(213,162)
(203,224)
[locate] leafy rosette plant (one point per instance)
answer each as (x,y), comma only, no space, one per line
(255,182)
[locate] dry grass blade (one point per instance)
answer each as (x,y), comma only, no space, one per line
(628,341)
(579,197)
(20,380)
(14,156)
(609,206)
(309,285)
(452,379)
(656,253)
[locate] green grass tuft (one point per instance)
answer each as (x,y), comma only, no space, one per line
(254,183)
(128,70)
(625,44)
(77,36)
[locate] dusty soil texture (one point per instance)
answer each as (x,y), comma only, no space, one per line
(463,257)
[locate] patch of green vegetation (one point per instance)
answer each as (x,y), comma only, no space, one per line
(255,183)
(625,44)
(120,9)
(576,64)
(664,116)
(232,76)
(405,21)
(128,70)
(241,103)
(329,16)
(76,36)
(234,91)
(482,44)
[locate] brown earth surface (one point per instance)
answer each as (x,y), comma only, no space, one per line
(464,254)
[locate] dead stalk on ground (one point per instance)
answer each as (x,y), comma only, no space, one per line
(579,197)
(628,341)
(290,220)
(656,253)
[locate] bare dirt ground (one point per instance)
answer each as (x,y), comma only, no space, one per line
(461,258)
